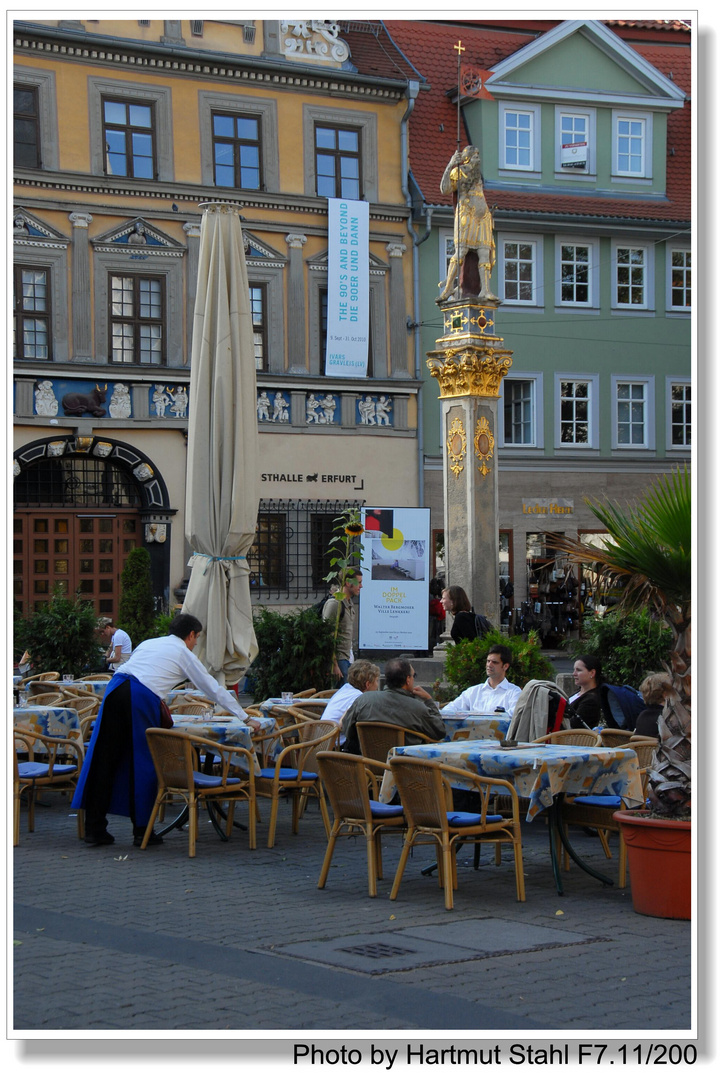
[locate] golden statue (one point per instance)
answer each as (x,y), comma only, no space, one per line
(473,223)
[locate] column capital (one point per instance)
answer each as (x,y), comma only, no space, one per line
(80,219)
(295,240)
(396,250)
(192,228)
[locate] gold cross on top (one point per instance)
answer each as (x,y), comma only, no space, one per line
(459,48)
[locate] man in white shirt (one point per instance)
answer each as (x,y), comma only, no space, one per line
(118,775)
(118,642)
(497,693)
(361,678)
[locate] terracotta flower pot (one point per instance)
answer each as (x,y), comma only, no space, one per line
(658,852)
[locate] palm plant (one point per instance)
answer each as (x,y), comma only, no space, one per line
(648,557)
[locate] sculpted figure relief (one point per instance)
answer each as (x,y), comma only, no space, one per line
(473,223)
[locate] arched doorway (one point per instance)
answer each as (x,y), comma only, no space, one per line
(81,504)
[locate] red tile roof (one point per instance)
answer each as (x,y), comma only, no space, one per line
(433,123)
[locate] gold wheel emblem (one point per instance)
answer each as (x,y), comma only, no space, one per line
(456,443)
(483,444)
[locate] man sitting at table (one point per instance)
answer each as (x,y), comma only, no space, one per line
(118,774)
(362,678)
(496,694)
(401,703)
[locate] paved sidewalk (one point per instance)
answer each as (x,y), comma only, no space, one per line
(117,939)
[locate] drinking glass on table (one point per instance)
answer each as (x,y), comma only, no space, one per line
(22,698)
(67,678)
(287,697)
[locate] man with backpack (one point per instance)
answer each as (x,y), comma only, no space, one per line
(496,694)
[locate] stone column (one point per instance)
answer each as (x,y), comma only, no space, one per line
(81,287)
(469,364)
(193,234)
(296,329)
(398,327)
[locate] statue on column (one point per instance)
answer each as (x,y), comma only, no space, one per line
(472,230)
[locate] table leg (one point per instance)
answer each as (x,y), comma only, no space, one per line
(553,817)
(555,811)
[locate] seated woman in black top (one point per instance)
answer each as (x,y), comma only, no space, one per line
(456,601)
(586,704)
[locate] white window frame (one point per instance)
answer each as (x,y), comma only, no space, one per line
(537,243)
(672,247)
(648,382)
(593,419)
(591,118)
(536,378)
(534,111)
(648,249)
(445,236)
(593,245)
(645,173)
(671,382)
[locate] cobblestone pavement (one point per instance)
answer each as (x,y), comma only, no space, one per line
(116,939)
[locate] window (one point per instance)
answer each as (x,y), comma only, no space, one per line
(337,162)
(31,313)
(519,272)
(26,130)
(680,279)
(267,556)
(137,319)
(575,274)
(519,148)
(518,412)
(128,132)
(631,281)
(518,140)
(631,404)
(237,151)
(197,27)
(577,421)
(576,142)
(258,302)
(680,407)
(632,145)
(131,129)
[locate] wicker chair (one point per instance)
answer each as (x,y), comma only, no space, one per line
(571,736)
(597,811)
(377,740)
(425,793)
(43,700)
(44,686)
(306,693)
(614,736)
(198,708)
(348,781)
(42,676)
(295,771)
(175,755)
(59,770)
(327,694)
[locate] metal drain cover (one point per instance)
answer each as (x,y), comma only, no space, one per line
(423,946)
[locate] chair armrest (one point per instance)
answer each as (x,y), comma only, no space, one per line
(225,752)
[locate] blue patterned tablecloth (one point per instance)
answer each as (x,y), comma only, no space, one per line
(537,772)
(228,732)
(53,720)
(96,686)
(492,726)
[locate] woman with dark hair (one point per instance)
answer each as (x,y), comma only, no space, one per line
(457,603)
(586,704)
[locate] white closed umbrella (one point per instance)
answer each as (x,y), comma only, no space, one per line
(222,485)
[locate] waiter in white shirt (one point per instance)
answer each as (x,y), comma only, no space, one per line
(496,694)
(118,775)
(118,642)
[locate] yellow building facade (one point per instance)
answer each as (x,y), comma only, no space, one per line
(123,128)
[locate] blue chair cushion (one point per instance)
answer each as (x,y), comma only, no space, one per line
(33,770)
(599,800)
(287,774)
(203,780)
(381,809)
(463,820)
